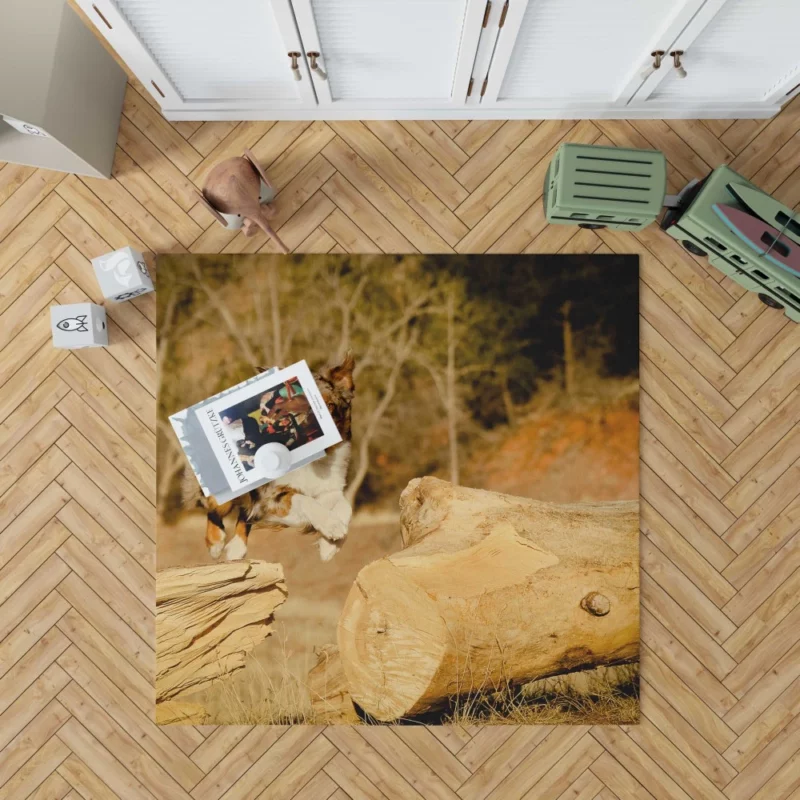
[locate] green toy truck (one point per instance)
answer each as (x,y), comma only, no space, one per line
(609,187)
(605,187)
(701,231)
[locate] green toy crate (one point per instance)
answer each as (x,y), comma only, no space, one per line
(695,224)
(605,187)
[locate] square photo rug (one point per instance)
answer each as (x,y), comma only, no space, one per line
(463,547)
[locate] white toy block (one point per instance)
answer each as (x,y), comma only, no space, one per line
(122,274)
(78,325)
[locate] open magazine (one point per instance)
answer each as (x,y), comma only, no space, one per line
(222,434)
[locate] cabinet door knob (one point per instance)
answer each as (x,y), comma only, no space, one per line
(312,57)
(294,55)
(657,56)
(676,60)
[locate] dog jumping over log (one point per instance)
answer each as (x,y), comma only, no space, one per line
(311,498)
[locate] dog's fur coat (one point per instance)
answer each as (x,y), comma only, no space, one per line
(311,498)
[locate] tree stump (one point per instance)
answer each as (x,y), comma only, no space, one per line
(174,712)
(490,591)
(327,687)
(208,618)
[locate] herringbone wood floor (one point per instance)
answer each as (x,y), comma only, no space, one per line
(720,467)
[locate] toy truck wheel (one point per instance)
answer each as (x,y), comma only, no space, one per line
(592,226)
(693,248)
(769,301)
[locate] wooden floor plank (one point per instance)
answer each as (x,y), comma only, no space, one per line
(159,131)
(12,176)
(437,143)
(37,547)
(475,133)
(85,783)
(372,764)
(236,762)
(119,743)
(30,230)
(688,681)
(525,778)
(391,204)
(680,737)
(31,720)
(761,591)
(291,782)
(417,159)
(681,444)
(26,198)
(244,135)
(31,629)
(109,516)
(364,218)
(409,765)
(108,770)
(109,625)
(36,771)
(351,782)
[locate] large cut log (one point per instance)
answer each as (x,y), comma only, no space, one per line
(490,591)
(208,618)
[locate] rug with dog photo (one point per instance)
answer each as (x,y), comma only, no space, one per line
(464,550)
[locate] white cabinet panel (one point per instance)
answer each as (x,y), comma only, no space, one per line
(574,51)
(383,59)
(210,53)
(391,52)
(206,52)
(748,51)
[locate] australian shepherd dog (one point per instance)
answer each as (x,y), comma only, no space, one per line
(311,498)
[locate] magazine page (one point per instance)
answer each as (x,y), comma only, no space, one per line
(284,407)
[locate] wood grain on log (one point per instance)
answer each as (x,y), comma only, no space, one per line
(490,590)
(208,618)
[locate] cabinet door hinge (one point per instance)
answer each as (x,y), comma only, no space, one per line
(486,13)
(503,15)
(469,88)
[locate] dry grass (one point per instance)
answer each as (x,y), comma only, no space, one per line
(254,696)
(605,696)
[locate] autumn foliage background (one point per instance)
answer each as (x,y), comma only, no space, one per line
(453,353)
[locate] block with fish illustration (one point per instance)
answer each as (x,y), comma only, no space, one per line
(78,325)
(122,275)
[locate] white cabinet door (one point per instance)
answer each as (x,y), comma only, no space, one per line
(566,54)
(742,51)
(206,53)
(390,54)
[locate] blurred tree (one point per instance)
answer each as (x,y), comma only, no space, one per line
(446,347)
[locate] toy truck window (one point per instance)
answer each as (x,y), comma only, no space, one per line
(786,293)
(791,225)
(774,244)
